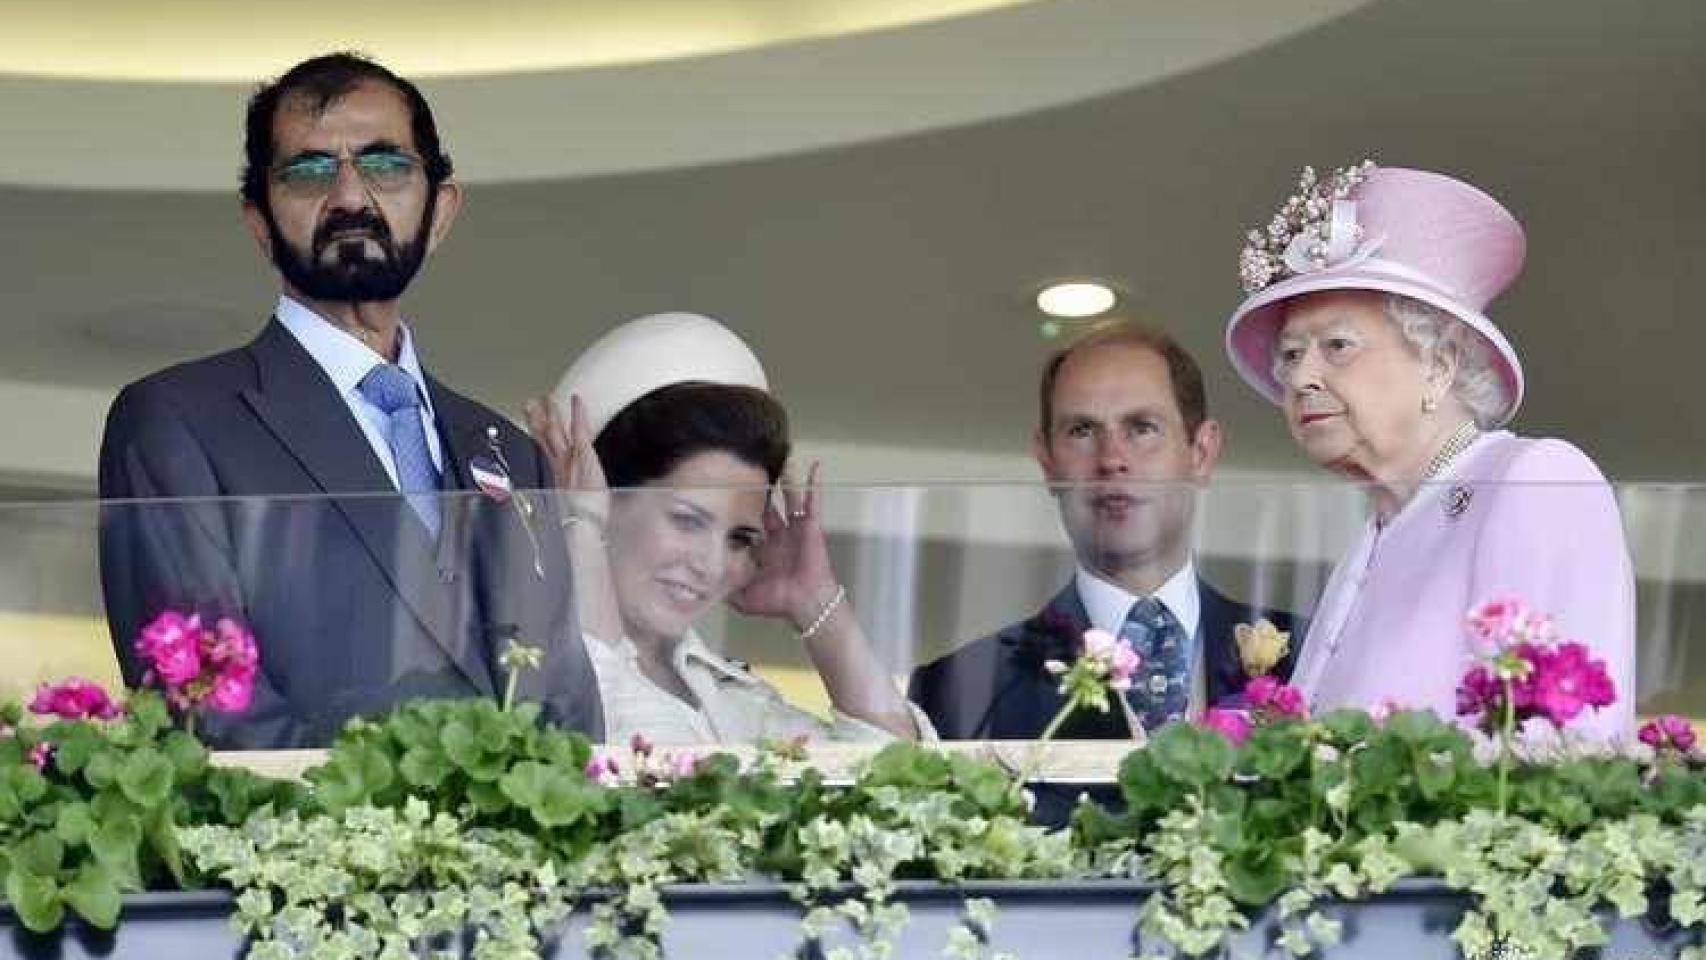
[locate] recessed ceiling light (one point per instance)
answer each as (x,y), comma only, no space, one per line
(1076,299)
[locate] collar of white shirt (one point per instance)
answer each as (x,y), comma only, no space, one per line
(1108,604)
(345,358)
(693,650)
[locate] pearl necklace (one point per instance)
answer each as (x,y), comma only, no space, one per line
(1454,445)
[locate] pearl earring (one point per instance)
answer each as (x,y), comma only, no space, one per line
(1429,404)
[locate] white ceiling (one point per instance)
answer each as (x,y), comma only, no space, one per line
(884,282)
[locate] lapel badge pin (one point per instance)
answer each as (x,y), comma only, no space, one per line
(490,472)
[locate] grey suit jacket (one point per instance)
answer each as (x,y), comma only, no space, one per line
(353,605)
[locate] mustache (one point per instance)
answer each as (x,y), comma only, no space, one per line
(340,221)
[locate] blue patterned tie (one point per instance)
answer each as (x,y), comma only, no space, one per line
(391,389)
(1161,689)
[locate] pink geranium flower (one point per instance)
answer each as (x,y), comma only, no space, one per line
(230,693)
(1272,699)
(74,699)
(1526,662)
(1565,680)
(171,645)
(603,770)
(41,755)
(1490,622)
(1668,732)
(1234,725)
(195,664)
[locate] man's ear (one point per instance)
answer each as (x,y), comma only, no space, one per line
(444,213)
(256,221)
(1205,449)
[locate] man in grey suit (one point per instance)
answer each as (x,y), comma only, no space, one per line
(1126,441)
(356,600)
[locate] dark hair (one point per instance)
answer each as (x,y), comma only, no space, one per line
(1182,369)
(321,81)
(655,433)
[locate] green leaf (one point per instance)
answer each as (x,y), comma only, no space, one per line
(355,773)
(11,805)
(116,840)
(39,853)
(186,754)
(102,769)
(146,778)
(161,836)
(1348,726)
(20,787)
(1190,755)
(1414,726)
(487,797)
(75,823)
(1274,752)
(148,713)
(76,743)
(36,899)
(425,766)
(906,764)
(1380,766)
(984,784)
(1434,779)
(1255,877)
(468,751)
(94,894)
(554,797)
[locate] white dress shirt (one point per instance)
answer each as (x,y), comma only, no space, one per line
(346,361)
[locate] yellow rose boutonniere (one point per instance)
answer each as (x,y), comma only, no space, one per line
(1260,647)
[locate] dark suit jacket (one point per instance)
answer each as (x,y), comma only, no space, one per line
(353,605)
(995,688)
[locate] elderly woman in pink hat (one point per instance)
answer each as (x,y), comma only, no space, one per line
(1365,322)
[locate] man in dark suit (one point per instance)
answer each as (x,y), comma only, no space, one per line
(358,597)
(1125,440)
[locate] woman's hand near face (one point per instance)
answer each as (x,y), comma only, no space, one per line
(568,447)
(794,578)
(584,510)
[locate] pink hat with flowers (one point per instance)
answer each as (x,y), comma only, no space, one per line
(1421,235)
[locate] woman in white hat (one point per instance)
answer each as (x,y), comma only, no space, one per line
(1365,322)
(672,412)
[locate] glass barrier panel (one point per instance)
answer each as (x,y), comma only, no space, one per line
(679,614)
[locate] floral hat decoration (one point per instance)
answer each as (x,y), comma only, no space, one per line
(1421,235)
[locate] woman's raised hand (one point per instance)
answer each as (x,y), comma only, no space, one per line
(568,446)
(794,579)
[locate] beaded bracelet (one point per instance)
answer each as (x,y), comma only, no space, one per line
(824,614)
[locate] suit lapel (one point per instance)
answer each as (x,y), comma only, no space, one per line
(300,405)
(499,541)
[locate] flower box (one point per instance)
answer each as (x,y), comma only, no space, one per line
(1081,920)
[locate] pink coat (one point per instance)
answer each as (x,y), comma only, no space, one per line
(1533,518)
